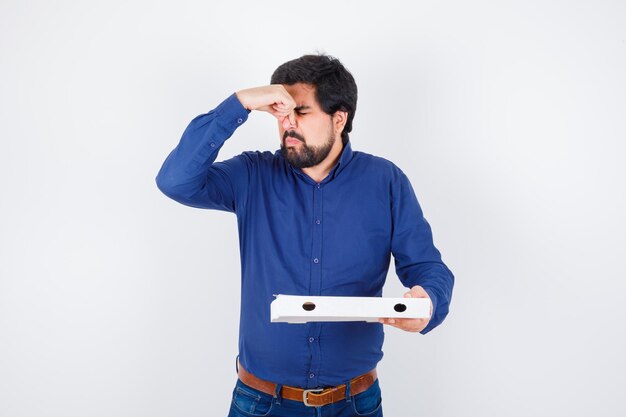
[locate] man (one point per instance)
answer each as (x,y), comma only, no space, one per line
(314,218)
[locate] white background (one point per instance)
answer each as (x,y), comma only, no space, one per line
(508,118)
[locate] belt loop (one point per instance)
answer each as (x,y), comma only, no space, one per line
(277,393)
(237,364)
(348,399)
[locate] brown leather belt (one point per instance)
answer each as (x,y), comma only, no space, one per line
(310,397)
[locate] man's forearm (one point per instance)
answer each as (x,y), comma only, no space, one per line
(183,173)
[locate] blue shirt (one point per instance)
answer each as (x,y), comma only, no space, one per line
(300,237)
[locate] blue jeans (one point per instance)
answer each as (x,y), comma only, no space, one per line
(249,402)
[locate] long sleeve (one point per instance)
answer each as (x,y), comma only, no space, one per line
(190,174)
(417,260)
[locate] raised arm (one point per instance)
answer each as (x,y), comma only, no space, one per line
(190,174)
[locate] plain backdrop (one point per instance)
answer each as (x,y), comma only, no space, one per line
(507,116)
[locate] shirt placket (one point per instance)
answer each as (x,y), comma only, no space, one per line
(315,284)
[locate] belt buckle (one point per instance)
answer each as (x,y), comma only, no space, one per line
(306,393)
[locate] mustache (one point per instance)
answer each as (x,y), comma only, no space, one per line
(293,134)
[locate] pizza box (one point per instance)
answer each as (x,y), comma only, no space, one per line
(304,308)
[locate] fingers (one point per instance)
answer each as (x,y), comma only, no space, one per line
(286,100)
(282,110)
(419,292)
(409,325)
(284,104)
(281,113)
(264,97)
(285,111)
(271,109)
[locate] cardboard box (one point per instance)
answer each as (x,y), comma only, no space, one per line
(303,309)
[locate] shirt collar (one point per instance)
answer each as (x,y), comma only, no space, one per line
(344,159)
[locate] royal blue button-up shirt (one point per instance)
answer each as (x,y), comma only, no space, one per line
(301,237)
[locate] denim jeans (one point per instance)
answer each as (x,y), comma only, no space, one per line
(249,402)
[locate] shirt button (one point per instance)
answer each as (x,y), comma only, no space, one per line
(316,260)
(317,221)
(311,339)
(240,120)
(212,145)
(318,185)
(311,375)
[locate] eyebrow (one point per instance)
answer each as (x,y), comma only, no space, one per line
(303,107)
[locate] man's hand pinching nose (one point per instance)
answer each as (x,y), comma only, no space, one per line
(282,110)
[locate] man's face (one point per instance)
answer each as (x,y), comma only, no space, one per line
(309,140)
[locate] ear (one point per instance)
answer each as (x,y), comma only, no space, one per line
(340,118)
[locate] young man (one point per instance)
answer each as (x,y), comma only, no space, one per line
(314,218)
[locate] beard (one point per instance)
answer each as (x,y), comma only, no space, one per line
(303,155)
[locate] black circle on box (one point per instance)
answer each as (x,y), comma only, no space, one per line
(400,307)
(308,306)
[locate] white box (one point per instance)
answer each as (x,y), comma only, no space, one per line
(304,308)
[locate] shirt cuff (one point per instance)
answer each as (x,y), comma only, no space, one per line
(232,113)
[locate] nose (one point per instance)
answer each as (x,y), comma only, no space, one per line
(287,125)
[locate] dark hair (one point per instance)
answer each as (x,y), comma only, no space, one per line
(335,88)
